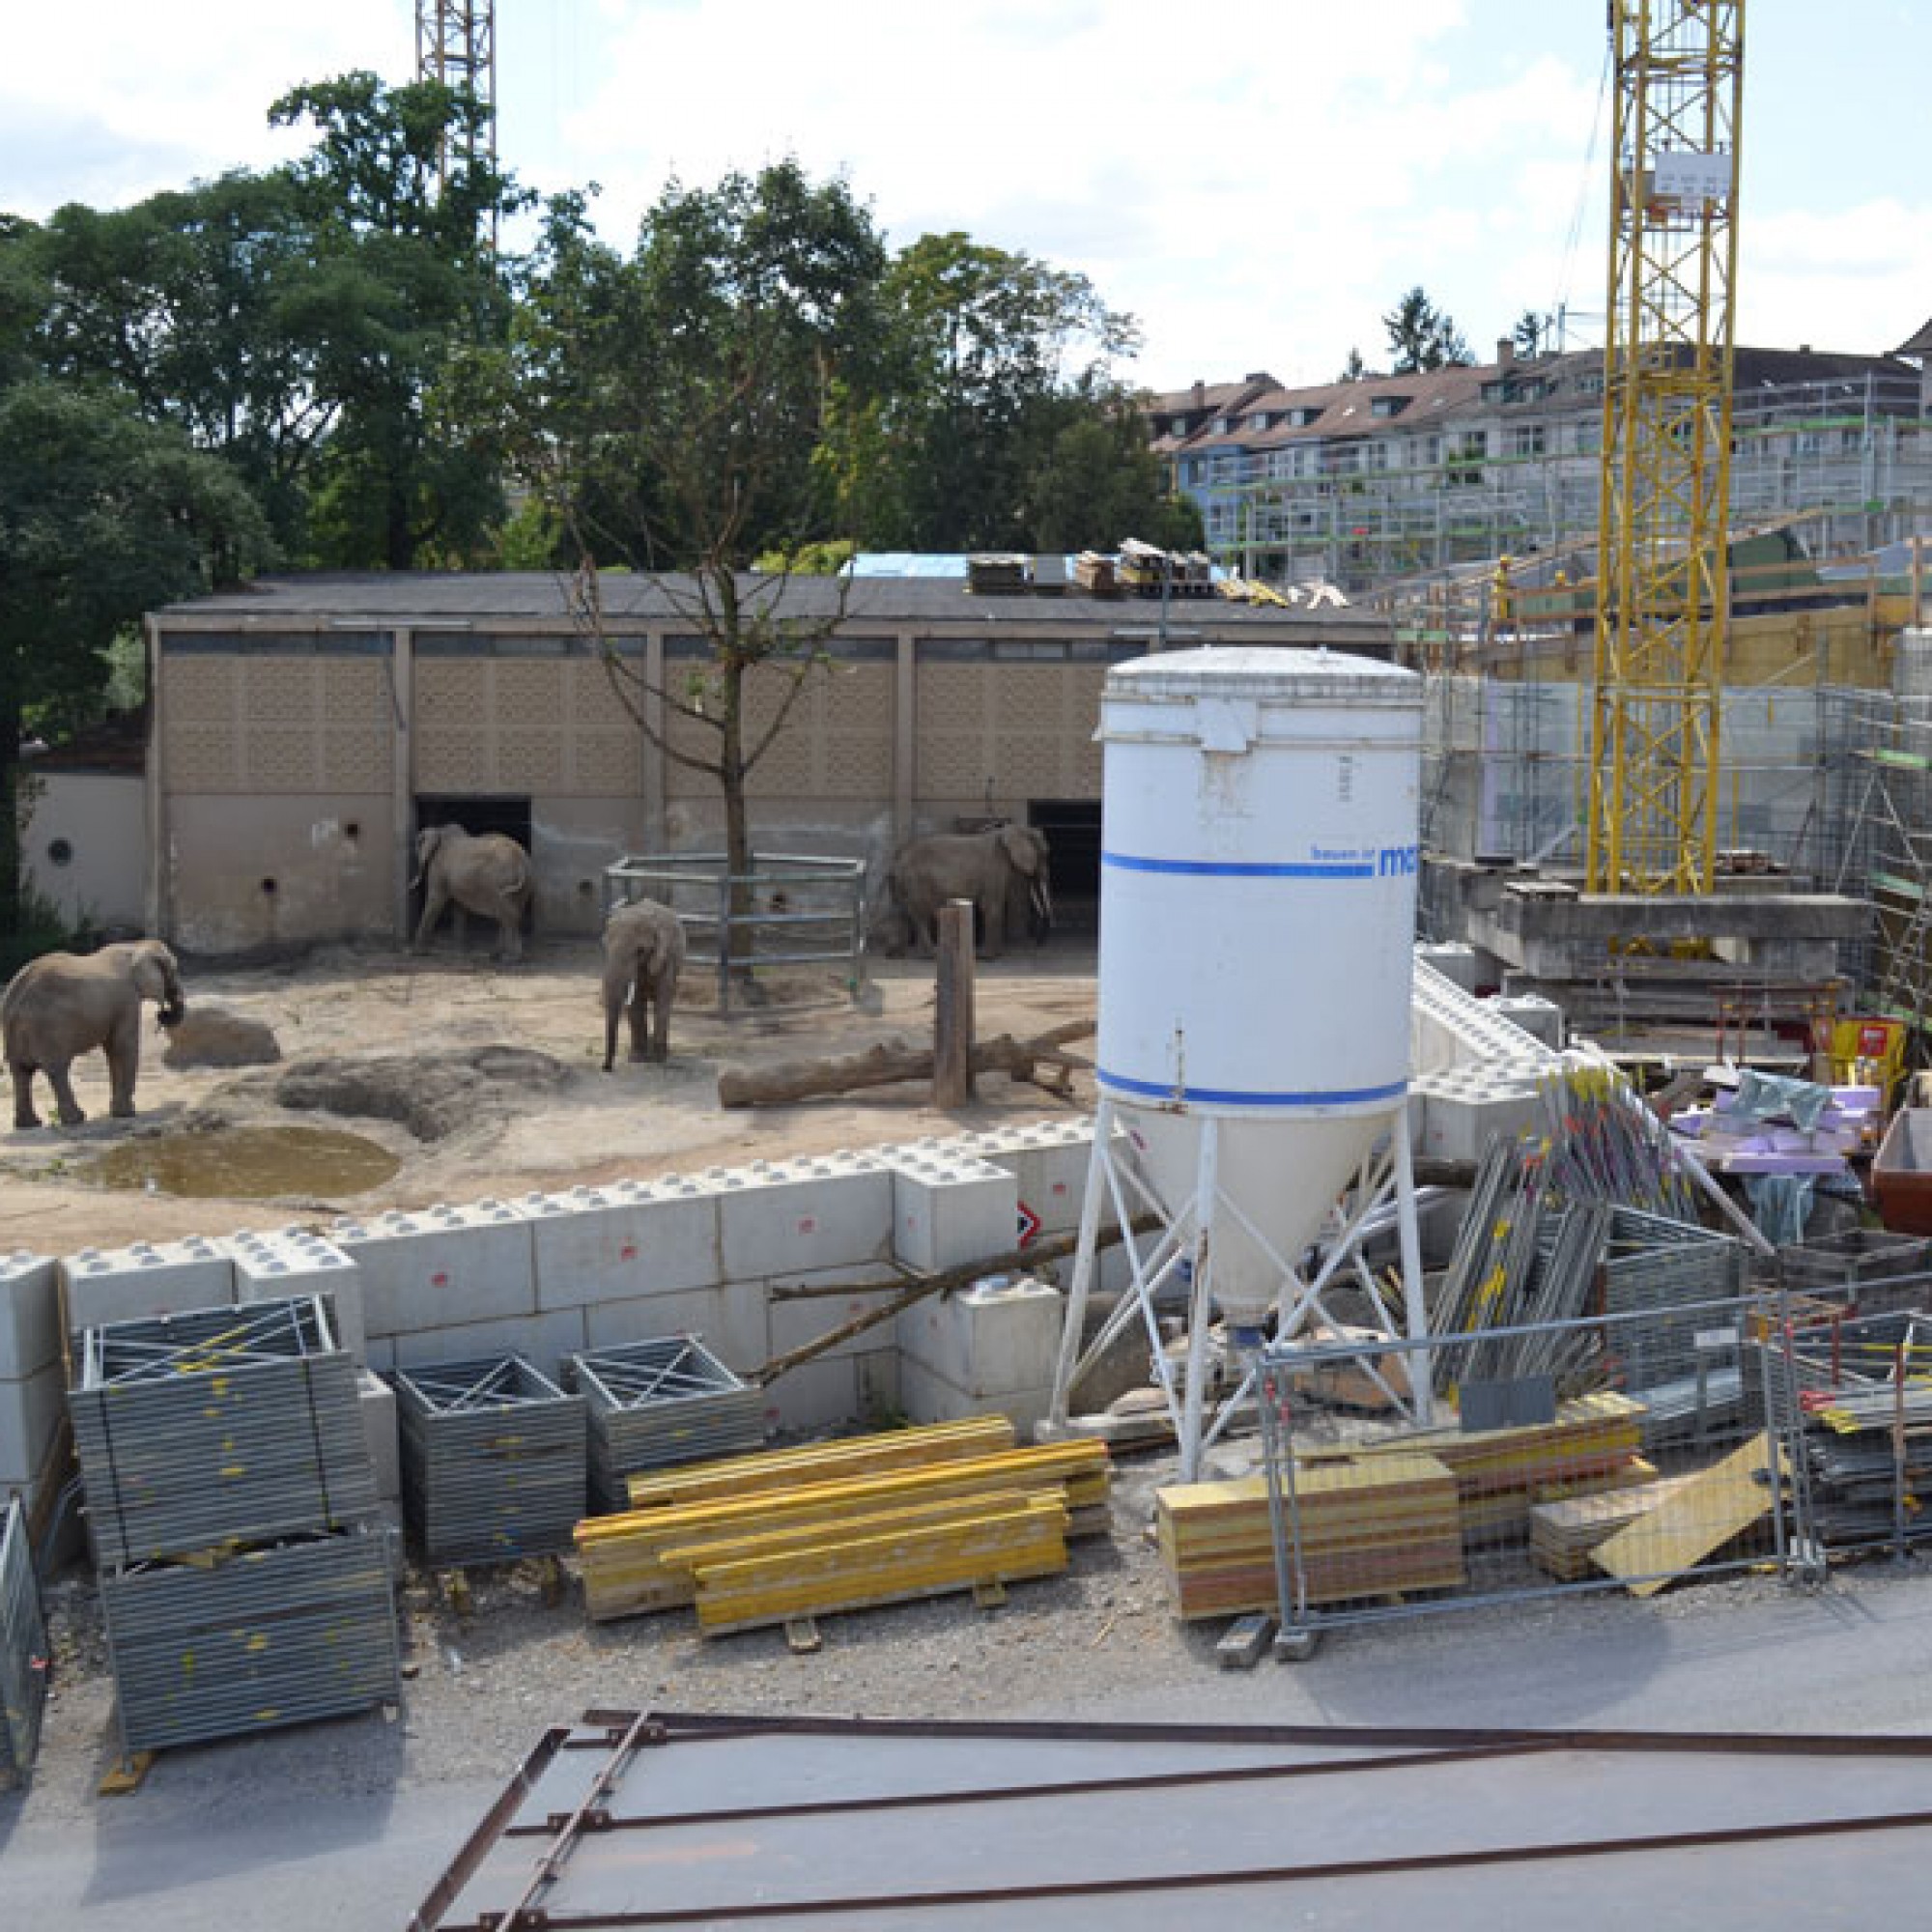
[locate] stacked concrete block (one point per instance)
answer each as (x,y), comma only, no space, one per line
(858,1381)
(1455,1113)
(441,1270)
(545,1341)
(990,1347)
(624,1242)
(32,1384)
(1538,1017)
(383,1432)
(110,1284)
(286,1263)
(821,1212)
(729,1317)
(949,1208)
(1454,959)
(1449,1027)
(1048,1161)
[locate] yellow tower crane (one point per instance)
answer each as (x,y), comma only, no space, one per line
(1662,581)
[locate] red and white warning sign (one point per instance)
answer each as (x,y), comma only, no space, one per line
(1029,1226)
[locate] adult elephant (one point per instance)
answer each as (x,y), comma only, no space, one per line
(983,866)
(643,954)
(65,1003)
(490,875)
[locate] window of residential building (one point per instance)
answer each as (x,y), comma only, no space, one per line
(1524,439)
(1589,434)
(1302,419)
(1388,406)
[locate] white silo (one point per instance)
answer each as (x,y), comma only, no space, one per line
(1259,857)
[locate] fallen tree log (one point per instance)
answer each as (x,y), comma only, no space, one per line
(893,1061)
(1015,1261)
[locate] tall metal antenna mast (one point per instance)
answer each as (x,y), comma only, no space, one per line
(456,43)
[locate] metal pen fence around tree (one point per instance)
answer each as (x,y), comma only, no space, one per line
(1353,1520)
(789,910)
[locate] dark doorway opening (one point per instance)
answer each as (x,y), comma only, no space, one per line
(1072,829)
(477,816)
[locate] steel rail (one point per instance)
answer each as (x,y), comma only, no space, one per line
(1004,1793)
(545,1920)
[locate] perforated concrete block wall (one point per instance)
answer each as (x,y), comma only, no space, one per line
(1022,730)
(1048,1160)
(441,1268)
(623,1242)
(107,1285)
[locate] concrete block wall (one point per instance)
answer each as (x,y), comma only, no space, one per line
(991,1346)
(283,1263)
(1456,1113)
(32,1380)
(441,1268)
(104,1285)
(709,1254)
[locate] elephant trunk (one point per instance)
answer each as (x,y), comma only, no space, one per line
(173,1009)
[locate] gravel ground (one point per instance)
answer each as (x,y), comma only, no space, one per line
(481,1681)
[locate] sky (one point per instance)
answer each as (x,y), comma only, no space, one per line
(1256,181)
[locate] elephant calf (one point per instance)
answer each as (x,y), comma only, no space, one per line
(490,875)
(643,954)
(65,1003)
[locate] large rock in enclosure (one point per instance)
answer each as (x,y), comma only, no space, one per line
(215,1037)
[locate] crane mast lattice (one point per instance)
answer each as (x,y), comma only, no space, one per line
(1662,593)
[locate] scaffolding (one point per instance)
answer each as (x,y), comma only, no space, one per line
(1850,457)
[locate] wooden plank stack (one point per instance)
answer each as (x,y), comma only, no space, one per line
(1564,1531)
(1699,1517)
(841,1525)
(1382,1525)
(1500,1473)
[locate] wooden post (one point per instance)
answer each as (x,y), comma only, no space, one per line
(953,1020)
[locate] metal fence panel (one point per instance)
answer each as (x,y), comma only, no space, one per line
(1622,1450)
(23,1650)
(789,910)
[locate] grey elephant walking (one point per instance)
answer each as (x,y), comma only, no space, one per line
(62,1005)
(643,954)
(987,867)
(490,875)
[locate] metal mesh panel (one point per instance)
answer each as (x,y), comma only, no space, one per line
(23,1650)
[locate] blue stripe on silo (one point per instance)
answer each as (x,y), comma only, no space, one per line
(1240,868)
(1234,1096)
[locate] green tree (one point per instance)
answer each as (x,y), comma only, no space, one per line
(993,355)
(1420,336)
(103,516)
(1534,333)
(1354,369)
(401,204)
(671,407)
(1100,482)
(183,303)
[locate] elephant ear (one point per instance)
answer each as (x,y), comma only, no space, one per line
(151,973)
(1022,847)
